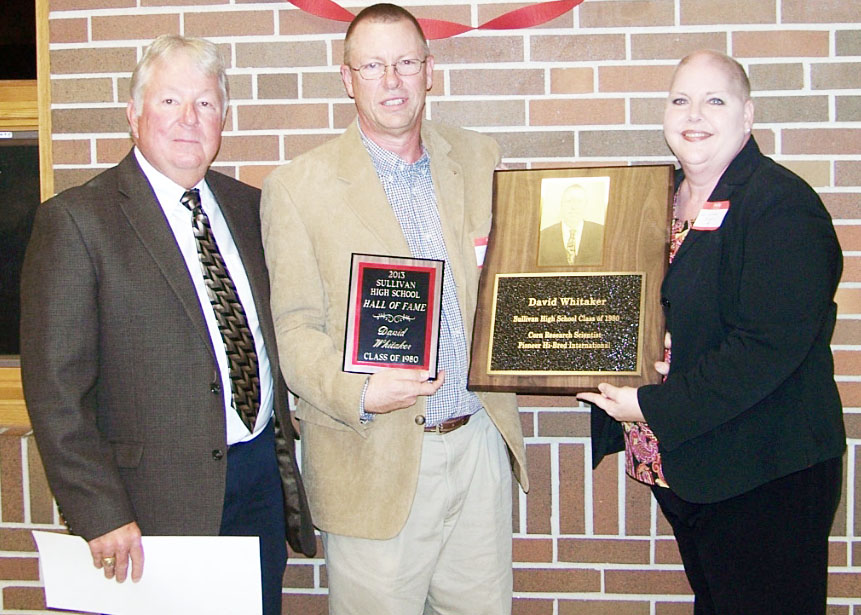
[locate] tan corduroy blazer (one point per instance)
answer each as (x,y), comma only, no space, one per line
(316,212)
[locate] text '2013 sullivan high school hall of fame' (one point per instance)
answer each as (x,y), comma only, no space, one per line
(393,316)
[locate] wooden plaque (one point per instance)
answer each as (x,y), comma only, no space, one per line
(570,288)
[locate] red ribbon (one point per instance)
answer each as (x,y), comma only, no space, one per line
(524,17)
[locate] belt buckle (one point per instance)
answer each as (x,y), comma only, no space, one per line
(449,425)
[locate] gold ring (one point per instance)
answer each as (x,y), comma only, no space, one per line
(108,562)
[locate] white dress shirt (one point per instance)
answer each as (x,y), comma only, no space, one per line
(578,235)
(168,194)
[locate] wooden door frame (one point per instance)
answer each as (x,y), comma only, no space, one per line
(26,105)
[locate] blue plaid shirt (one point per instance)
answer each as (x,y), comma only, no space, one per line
(409,189)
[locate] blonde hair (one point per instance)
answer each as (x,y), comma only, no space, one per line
(382,13)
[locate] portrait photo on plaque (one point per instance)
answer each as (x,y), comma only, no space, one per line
(573,211)
(393,315)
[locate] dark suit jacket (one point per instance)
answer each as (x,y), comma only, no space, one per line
(552,251)
(119,374)
(751,395)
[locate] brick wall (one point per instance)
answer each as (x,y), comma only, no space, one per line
(587,87)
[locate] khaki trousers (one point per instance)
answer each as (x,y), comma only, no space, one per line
(453,556)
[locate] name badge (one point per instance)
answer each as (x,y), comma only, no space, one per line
(711,216)
(480,250)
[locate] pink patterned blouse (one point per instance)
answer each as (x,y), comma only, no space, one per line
(642,459)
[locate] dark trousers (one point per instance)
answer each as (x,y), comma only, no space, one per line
(763,552)
(254,506)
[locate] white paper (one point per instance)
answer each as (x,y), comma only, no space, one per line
(217,575)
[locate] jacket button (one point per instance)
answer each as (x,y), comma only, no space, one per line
(420,419)
(215,388)
(217,454)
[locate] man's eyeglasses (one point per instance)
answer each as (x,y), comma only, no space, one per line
(375,70)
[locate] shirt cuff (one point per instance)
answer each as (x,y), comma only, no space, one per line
(364,417)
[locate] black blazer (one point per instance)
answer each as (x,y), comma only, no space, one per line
(751,395)
(119,374)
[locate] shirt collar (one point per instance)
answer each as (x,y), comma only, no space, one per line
(738,172)
(567,230)
(388,163)
(167,191)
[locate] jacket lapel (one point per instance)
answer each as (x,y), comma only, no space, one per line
(365,196)
(736,174)
(449,189)
(146,218)
(692,238)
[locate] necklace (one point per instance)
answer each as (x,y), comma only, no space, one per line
(679,229)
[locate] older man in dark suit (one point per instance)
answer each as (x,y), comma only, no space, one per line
(148,351)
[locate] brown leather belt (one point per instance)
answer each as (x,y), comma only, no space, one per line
(449,425)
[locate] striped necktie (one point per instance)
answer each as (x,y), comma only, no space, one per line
(571,246)
(232,322)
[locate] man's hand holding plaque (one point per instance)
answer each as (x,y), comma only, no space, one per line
(396,389)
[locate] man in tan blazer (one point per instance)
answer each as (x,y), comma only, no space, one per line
(408,478)
(125,370)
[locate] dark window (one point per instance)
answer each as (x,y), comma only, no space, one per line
(19,197)
(18,39)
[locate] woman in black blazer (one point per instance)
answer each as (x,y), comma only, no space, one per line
(742,444)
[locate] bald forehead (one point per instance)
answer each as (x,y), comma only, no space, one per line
(574,192)
(718,64)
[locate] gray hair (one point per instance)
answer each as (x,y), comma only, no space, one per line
(201,51)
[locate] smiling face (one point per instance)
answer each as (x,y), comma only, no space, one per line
(390,108)
(707,117)
(179,128)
